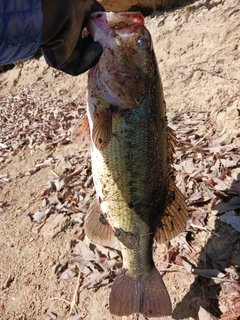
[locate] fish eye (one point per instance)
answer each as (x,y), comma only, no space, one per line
(143,42)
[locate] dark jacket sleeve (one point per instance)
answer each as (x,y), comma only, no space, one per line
(20,29)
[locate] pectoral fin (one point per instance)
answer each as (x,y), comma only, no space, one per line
(81,132)
(175,215)
(97,228)
(102,128)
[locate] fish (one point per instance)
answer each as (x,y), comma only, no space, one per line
(132,149)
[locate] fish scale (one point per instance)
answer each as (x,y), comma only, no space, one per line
(131,169)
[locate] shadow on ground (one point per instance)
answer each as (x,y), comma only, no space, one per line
(221,252)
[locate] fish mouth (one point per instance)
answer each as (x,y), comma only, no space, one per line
(119,20)
(115,25)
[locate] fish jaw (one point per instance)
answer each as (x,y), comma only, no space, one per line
(111,28)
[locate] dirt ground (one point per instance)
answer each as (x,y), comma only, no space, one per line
(48,270)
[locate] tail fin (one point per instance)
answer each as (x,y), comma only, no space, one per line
(145,294)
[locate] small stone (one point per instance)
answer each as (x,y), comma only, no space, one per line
(232,113)
(197,75)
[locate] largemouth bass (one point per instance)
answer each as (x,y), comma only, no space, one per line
(131,150)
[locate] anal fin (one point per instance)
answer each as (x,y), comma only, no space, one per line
(174,219)
(97,228)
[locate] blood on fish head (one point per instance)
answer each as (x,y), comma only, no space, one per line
(106,27)
(123,71)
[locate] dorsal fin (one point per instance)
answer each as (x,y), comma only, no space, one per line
(174,219)
(171,146)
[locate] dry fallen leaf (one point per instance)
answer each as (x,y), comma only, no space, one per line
(37,216)
(234,311)
(196,220)
(196,197)
(205,315)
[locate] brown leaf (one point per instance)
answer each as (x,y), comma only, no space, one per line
(220,185)
(196,197)
(94,279)
(196,220)
(54,225)
(84,251)
(233,312)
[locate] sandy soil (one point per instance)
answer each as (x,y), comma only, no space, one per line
(197,48)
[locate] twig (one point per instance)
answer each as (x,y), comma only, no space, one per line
(197,272)
(75,296)
(174,270)
(2,84)
(205,229)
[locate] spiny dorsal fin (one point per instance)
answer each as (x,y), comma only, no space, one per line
(171,145)
(175,214)
(102,128)
(97,228)
(81,131)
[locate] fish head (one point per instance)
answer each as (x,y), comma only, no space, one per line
(122,75)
